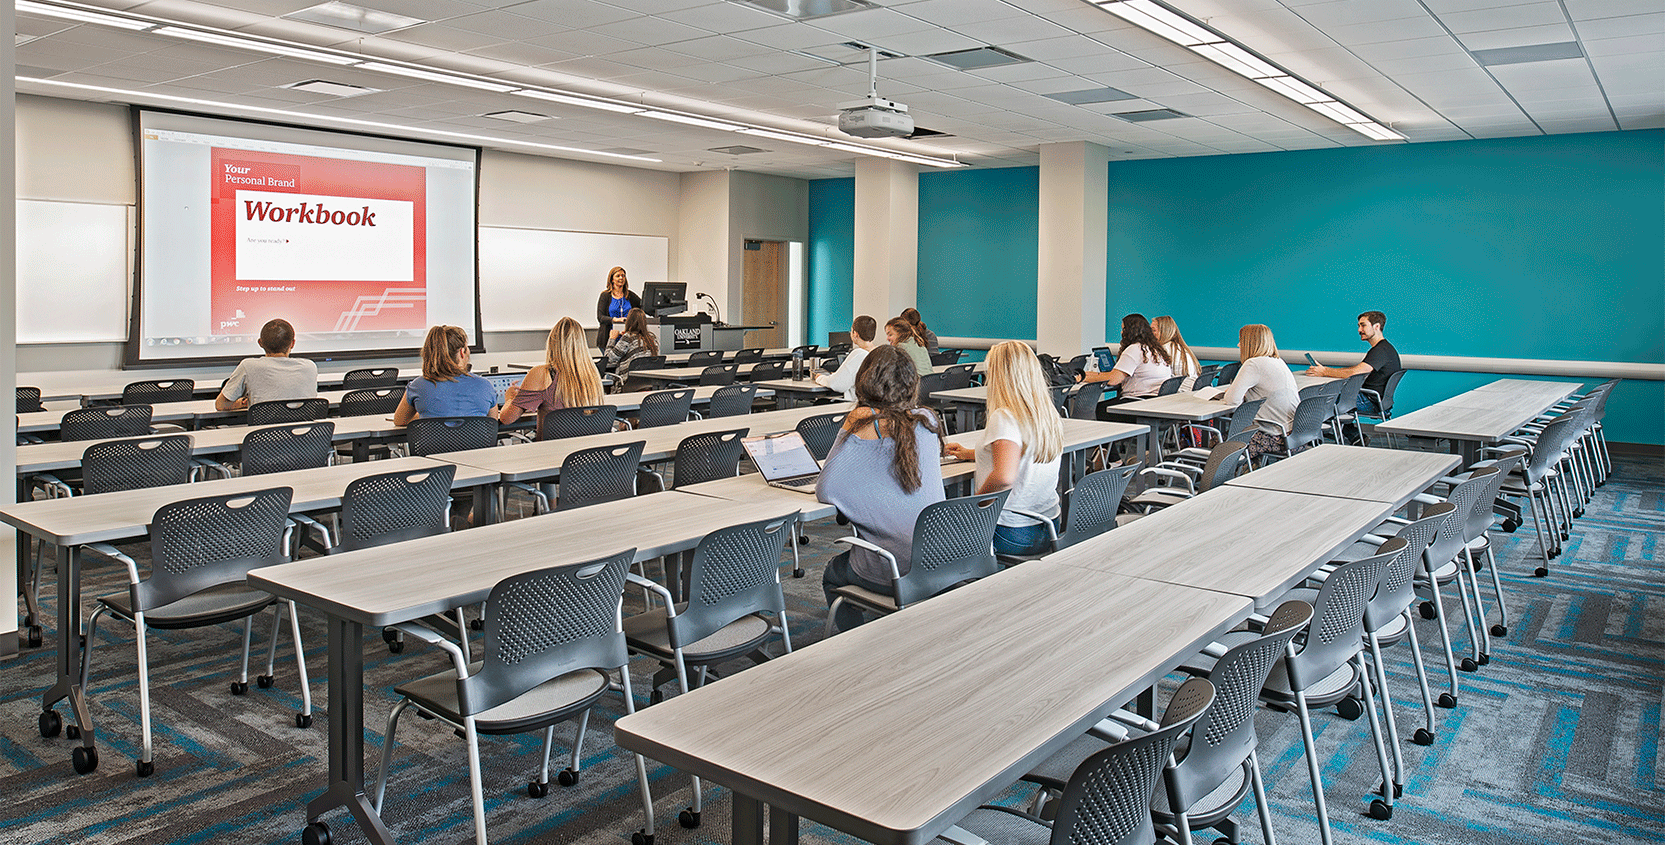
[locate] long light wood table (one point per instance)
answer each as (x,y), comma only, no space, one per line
(1184,406)
(193,411)
(405,581)
(1352,472)
(1481,416)
(891,732)
(790,392)
(65,454)
(70,523)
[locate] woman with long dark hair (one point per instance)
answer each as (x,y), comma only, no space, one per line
(884,468)
(635,341)
(1141,365)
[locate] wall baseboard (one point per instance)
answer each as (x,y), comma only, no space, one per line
(1645,450)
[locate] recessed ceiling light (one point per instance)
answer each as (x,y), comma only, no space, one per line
(1528,53)
(977,58)
(738,150)
(333,89)
(239,43)
(1148,115)
(355,18)
(803,10)
(1091,95)
(30,7)
(518,116)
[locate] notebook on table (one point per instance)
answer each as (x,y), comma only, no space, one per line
(784,461)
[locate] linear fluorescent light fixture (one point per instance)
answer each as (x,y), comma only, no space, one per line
(251,44)
(1192,35)
(582,102)
(80,15)
(690,120)
(435,76)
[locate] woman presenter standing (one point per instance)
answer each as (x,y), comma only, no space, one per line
(614,305)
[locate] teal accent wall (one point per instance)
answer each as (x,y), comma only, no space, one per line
(979,244)
(1544,247)
(832,261)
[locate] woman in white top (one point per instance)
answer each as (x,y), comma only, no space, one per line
(1184,362)
(1263,376)
(1141,366)
(1021,448)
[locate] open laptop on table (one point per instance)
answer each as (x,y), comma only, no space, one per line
(501,382)
(784,461)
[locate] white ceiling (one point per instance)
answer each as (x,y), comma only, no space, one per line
(1405,63)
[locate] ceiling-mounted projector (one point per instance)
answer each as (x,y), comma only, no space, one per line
(874,117)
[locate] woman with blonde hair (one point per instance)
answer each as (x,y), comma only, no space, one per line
(1021,449)
(1264,377)
(568,378)
(901,334)
(1184,362)
(446,388)
(635,341)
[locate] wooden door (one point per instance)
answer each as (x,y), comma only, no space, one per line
(763,292)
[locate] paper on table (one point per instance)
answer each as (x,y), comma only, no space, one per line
(1209,392)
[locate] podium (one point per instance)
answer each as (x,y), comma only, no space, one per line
(682,334)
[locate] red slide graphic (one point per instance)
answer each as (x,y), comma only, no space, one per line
(330,245)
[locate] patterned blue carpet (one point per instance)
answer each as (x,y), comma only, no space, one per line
(1556,741)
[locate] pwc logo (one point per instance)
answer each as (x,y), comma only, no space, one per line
(315,214)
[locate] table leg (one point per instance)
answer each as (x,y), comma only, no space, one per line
(1468,451)
(69,632)
(748,821)
(485,504)
(783,827)
(345,786)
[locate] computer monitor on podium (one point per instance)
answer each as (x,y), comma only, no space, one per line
(662,299)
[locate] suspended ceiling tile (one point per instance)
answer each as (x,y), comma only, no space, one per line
(1557,33)
(1590,9)
(650,30)
(522,53)
(1647,24)
(1348,12)
(723,17)
(1011,30)
(445,37)
(582,43)
(1513,16)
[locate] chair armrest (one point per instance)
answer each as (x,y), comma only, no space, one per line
(1110,730)
(111,552)
(957,835)
(1051,530)
(1134,720)
(895,572)
(1168,473)
(50,483)
(432,637)
(656,588)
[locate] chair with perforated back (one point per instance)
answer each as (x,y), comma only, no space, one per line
(953,543)
(731,400)
(1228,373)
(1205,376)
(371,400)
(156,392)
(105,423)
(1240,427)
(820,431)
(958,376)
(278,412)
(599,474)
(579,421)
(116,465)
(552,644)
(438,435)
(734,606)
(767,370)
(1224,463)
(1081,401)
(1107,800)
(288,447)
(1214,773)
(1089,509)
(28,400)
(1170,386)
(201,551)
(1306,429)
(1441,565)
(705,357)
(370,377)
(1536,482)
(1347,410)
(748,356)
(707,457)
(1384,400)
(719,374)
(665,407)
(1477,546)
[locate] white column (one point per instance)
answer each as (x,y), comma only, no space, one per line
(1069,290)
(886,238)
(8,325)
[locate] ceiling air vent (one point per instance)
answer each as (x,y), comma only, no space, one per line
(977,58)
(803,10)
(1091,95)
(1528,53)
(1148,115)
(738,150)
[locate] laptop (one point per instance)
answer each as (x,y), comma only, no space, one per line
(784,460)
(1106,361)
(838,339)
(501,382)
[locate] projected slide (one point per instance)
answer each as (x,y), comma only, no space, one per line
(360,242)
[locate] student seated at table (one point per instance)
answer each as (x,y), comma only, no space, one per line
(628,343)
(1380,362)
(901,334)
(568,378)
(1021,448)
(883,469)
(921,331)
(446,388)
(862,331)
(1264,376)
(276,377)
(1141,367)
(1183,361)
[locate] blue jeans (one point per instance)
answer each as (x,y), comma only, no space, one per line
(1021,540)
(1367,406)
(839,573)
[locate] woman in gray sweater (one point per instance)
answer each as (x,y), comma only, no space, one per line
(883,469)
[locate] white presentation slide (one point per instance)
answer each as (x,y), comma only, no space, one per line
(360,242)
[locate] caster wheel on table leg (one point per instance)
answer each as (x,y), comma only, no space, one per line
(566,777)
(1422,737)
(36,636)
(1485,658)
(51,724)
(688,819)
(537,790)
(263,681)
(1541,572)
(84,759)
(640,838)
(145,768)
(72,731)
(1500,630)
(303,720)
(1380,810)
(1428,610)
(1446,700)
(239,687)
(316,833)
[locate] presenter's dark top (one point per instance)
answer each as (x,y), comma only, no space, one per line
(608,309)
(1384,361)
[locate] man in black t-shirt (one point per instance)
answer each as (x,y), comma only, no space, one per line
(1380,362)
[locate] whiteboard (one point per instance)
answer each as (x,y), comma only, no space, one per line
(530,278)
(74,275)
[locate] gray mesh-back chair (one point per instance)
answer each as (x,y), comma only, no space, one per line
(719,374)
(370,377)
(1536,482)
(116,465)
(748,356)
(733,593)
(665,407)
(820,431)
(579,421)
(1089,509)
(1218,768)
(600,474)
(1347,408)
(1170,386)
(707,457)
(1205,375)
(105,423)
(766,370)
(438,435)
(156,392)
(1081,401)
(1228,373)
(201,551)
(278,412)
(1307,427)
(372,400)
(389,508)
(705,357)
(1325,668)
(731,400)
(1107,800)
(28,400)
(552,640)
(1384,400)
(1239,427)
(1477,546)
(953,542)
(1441,566)
(1225,461)
(288,447)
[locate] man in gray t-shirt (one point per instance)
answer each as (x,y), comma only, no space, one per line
(273,378)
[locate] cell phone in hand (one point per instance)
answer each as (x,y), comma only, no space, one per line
(1313,361)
